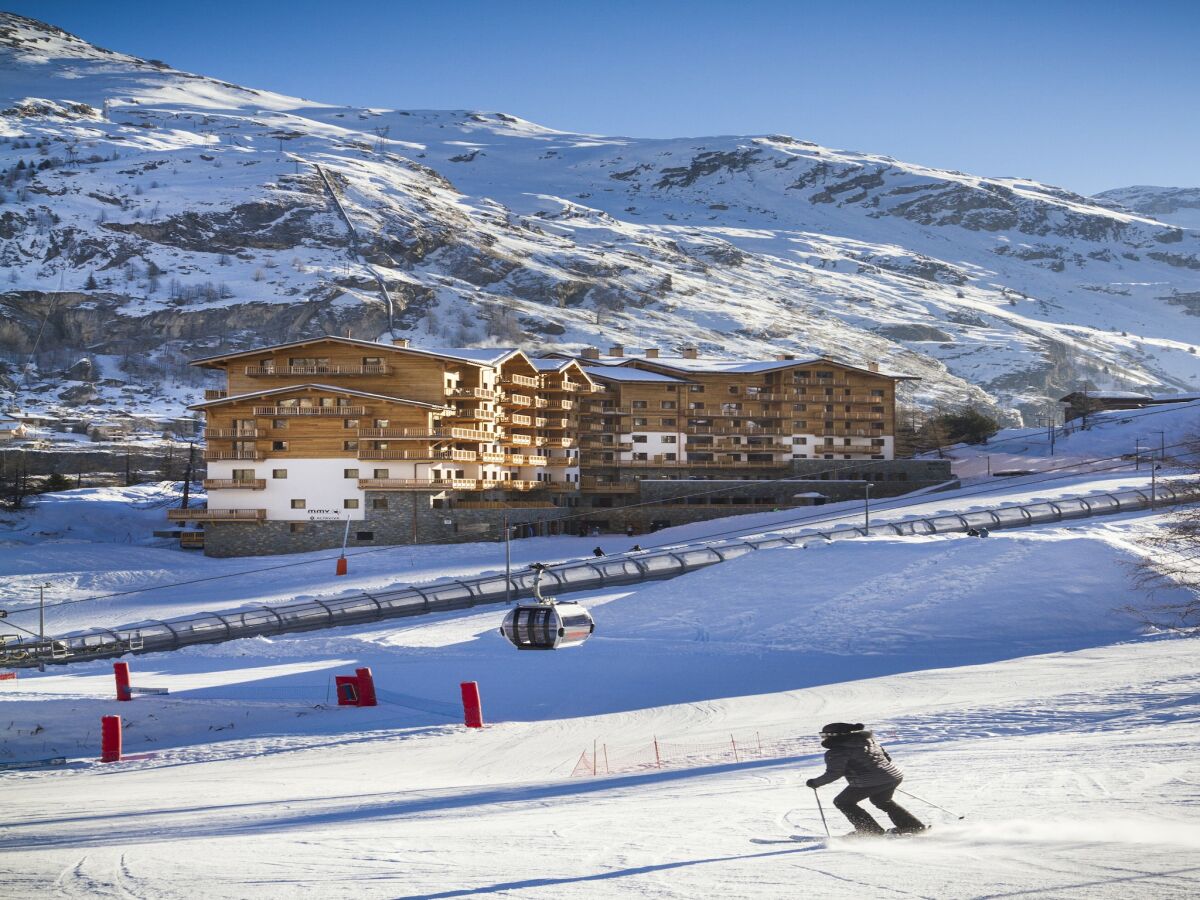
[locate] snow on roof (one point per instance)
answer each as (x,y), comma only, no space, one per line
(629,374)
(474,355)
(1177,398)
(317,387)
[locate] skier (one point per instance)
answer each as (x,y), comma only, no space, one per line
(636,548)
(597,552)
(854,754)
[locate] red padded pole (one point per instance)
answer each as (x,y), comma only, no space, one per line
(472,708)
(341,565)
(366,687)
(110,739)
(121,673)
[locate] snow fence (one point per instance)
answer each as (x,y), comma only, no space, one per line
(576,575)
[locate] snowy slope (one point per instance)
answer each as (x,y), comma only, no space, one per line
(197,208)
(1173,205)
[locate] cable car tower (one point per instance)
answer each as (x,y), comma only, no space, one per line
(547,624)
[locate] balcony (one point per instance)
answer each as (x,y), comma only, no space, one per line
(234,454)
(428,434)
(560,442)
(235,484)
(283,411)
(462,393)
(512,459)
(454,455)
(533,460)
(216,515)
(519,400)
(561,405)
(418,484)
(236,434)
(518,420)
(490,457)
(215,394)
(255,371)
(555,424)
(559,462)
(557,485)
(541,402)
(520,440)
(477,413)
(564,385)
(527,381)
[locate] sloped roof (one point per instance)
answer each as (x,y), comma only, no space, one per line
(315,387)
(624,374)
(471,355)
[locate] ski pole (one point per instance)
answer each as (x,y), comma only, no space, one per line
(928,803)
(821,809)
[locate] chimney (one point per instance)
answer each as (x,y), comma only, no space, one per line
(650,353)
(782,357)
(616,350)
(691,353)
(873,367)
(400,342)
(590,353)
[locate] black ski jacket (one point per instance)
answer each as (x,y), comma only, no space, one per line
(859,759)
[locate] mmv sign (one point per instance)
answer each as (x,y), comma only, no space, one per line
(324,515)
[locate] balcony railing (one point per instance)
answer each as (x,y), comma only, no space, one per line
(283,411)
(234,454)
(473,413)
(235,484)
(216,515)
(455,455)
(608,487)
(519,420)
(215,394)
(564,385)
(520,440)
(529,381)
(513,459)
(429,434)
(562,404)
(559,462)
(534,460)
(237,434)
(419,484)
(462,393)
(318,370)
(519,400)
(490,457)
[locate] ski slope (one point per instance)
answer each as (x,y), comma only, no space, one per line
(1004,674)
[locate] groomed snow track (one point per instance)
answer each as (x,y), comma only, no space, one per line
(579,575)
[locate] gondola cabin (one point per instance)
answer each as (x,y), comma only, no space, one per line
(546,624)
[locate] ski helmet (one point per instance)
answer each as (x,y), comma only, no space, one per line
(834,729)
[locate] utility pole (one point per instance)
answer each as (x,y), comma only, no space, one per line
(42,625)
(867,507)
(187,475)
(1162,444)
(507,563)
(1154,467)
(1137,455)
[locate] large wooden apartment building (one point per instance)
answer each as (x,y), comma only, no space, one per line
(415,445)
(311,434)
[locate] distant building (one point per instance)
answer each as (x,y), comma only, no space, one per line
(11,428)
(1080,404)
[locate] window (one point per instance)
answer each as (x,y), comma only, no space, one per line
(379,503)
(666,404)
(668,439)
(878,442)
(875,392)
(279,423)
(799,407)
(641,456)
(349,473)
(696,404)
(639,438)
(668,423)
(343,401)
(639,404)
(351,503)
(278,445)
(298,504)
(382,423)
(641,423)
(670,457)
(349,445)
(800,440)
(298,528)
(372,360)
(279,473)
(876,409)
(364,535)
(325,402)
(349,423)
(696,388)
(733,389)
(243,474)
(382,473)
(670,388)
(309,362)
(799,424)
(824,374)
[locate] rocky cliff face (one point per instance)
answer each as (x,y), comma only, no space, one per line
(150,215)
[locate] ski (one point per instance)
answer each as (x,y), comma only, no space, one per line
(793,839)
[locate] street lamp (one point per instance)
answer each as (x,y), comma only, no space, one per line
(867,506)
(42,625)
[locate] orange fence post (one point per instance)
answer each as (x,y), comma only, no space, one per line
(472,706)
(121,673)
(110,739)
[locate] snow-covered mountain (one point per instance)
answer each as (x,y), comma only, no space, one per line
(150,215)
(1173,205)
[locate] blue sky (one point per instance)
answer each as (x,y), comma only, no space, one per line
(1087,95)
